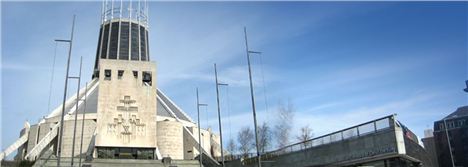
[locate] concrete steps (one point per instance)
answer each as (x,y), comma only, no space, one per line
(116,163)
(53,162)
(124,163)
(185,163)
(142,163)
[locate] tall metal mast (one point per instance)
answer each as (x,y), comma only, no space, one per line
(252,97)
(219,113)
(76,111)
(82,124)
(199,130)
(70,41)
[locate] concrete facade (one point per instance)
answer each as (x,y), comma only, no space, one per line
(429,146)
(387,143)
(90,126)
(208,143)
(126,105)
(170,139)
(124,111)
(456,126)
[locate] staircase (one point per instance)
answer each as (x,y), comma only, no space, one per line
(141,163)
(46,140)
(52,162)
(185,163)
(65,161)
(18,143)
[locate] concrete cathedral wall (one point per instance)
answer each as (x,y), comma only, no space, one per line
(209,141)
(170,139)
(38,132)
(90,126)
(117,126)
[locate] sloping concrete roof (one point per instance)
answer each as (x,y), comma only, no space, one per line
(162,110)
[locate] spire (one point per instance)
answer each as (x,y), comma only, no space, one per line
(135,10)
(123,33)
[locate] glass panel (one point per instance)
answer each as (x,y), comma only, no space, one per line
(326,139)
(104,41)
(106,153)
(126,153)
(145,154)
(124,41)
(114,40)
(349,133)
(135,43)
(335,137)
(317,142)
(366,128)
(143,42)
(99,48)
(382,124)
(147,48)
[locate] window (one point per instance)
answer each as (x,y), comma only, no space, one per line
(450,124)
(120,74)
(107,75)
(134,42)
(124,41)
(135,74)
(99,47)
(114,39)
(441,126)
(124,153)
(105,41)
(147,78)
(461,123)
(142,43)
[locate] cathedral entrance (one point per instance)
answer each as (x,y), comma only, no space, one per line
(125,153)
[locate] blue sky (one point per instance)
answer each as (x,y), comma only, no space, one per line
(339,63)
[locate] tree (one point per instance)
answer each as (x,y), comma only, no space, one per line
(231,147)
(305,135)
(246,142)
(264,137)
(285,117)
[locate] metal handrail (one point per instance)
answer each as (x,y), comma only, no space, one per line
(327,138)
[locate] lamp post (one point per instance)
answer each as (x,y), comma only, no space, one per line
(199,130)
(70,42)
(252,96)
(219,113)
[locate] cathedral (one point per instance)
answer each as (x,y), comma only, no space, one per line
(121,113)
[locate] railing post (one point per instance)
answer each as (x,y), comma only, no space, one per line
(375,126)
